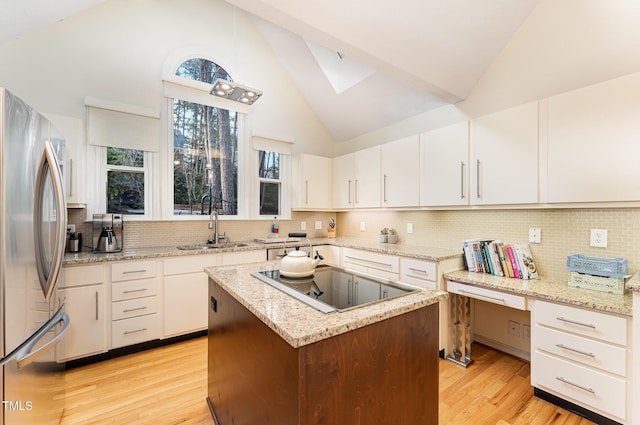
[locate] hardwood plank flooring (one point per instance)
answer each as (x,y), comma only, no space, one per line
(168,385)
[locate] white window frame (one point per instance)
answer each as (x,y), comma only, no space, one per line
(285,187)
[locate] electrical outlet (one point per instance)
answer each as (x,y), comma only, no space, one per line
(303,225)
(599,238)
(318,225)
(526,331)
(362,226)
(534,235)
(514,328)
(409,228)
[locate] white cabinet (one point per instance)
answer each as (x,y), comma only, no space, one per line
(593,143)
(83,291)
(504,166)
(185,293)
(444,166)
(357,179)
(311,186)
(401,172)
(330,253)
(582,356)
(419,272)
(72,130)
(134,302)
(383,265)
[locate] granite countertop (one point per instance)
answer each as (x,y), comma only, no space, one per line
(412,251)
(299,324)
(553,291)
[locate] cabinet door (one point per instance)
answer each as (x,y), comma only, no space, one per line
(367,177)
(343,181)
(87,332)
(444,166)
(505,160)
(314,185)
(365,290)
(593,143)
(185,303)
(401,172)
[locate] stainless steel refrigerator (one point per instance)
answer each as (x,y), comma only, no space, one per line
(33,220)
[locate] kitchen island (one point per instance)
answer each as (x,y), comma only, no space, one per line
(275,360)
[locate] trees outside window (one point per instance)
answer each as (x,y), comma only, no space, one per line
(125,181)
(205,149)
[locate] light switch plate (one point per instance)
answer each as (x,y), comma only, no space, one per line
(303,225)
(409,228)
(318,225)
(362,226)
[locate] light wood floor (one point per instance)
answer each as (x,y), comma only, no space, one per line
(168,385)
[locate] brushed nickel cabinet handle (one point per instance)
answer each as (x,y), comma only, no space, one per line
(461,180)
(130,291)
(96,305)
(573,322)
(475,294)
(134,331)
(478,194)
(564,347)
(129,310)
(589,390)
(134,271)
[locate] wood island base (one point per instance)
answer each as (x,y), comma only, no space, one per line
(383,373)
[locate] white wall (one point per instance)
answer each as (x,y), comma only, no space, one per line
(116,51)
(562,45)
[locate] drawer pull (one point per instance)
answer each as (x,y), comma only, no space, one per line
(502,300)
(134,271)
(589,390)
(134,331)
(368,261)
(419,271)
(575,351)
(129,310)
(573,322)
(130,291)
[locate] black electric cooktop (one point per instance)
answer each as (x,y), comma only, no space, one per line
(332,288)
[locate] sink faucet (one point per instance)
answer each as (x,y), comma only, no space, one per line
(213,225)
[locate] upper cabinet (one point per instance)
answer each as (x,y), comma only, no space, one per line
(73,169)
(401,173)
(356,179)
(594,142)
(444,166)
(504,157)
(311,186)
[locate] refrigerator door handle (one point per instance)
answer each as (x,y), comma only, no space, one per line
(48,273)
(26,356)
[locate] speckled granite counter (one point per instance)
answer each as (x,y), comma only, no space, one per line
(633,284)
(420,252)
(299,324)
(553,291)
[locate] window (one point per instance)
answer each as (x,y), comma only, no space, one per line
(125,181)
(270,184)
(205,149)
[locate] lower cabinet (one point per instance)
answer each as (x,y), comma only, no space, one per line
(382,265)
(582,356)
(82,289)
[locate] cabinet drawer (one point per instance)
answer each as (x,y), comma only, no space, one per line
(81,275)
(134,289)
(129,270)
(132,331)
(593,324)
(190,263)
(133,308)
(370,260)
(243,257)
(489,295)
(593,353)
(587,387)
(417,272)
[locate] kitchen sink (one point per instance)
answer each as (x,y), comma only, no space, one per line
(198,247)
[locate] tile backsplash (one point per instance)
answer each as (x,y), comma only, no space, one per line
(563,231)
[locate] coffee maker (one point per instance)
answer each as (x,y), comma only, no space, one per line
(107,232)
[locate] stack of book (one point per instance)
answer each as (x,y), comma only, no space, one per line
(497,258)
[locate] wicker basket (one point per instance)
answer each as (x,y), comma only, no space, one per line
(605,267)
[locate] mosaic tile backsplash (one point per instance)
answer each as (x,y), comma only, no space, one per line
(563,231)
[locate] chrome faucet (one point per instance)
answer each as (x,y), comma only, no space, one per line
(213,225)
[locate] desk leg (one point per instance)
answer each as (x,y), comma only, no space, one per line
(459,329)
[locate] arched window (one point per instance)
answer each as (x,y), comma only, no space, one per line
(205,149)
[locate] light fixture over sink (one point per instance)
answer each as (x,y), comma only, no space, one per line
(234,91)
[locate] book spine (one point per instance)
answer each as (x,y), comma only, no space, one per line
(514,263)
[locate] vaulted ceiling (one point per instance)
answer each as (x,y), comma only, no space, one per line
(361,64)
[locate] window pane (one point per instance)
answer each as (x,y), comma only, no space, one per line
(125,192)
(269,198)
(269,165)
(205,159)
(127,157)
